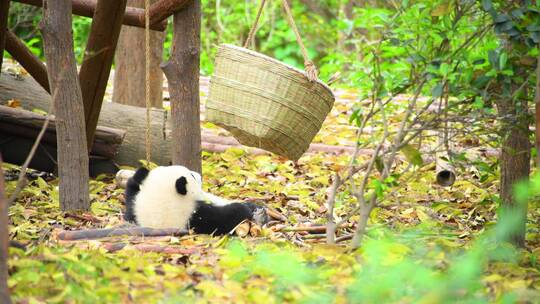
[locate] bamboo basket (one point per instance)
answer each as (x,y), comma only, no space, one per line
(265,103)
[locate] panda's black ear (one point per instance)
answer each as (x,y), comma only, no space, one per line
(180,185)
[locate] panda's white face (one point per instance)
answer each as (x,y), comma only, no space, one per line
(167,197)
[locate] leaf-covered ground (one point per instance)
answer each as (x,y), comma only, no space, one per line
(425,243)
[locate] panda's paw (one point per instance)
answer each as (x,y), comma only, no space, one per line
(259,214)
(140,175)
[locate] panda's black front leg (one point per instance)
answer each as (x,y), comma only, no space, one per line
(132,189)
(219,220)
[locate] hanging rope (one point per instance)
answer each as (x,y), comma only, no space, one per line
(147,79)
(309,66)
(254,27)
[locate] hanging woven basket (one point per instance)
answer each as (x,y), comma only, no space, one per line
(265,103)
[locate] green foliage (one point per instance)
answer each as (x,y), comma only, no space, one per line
(24,21)
(392,270)
(230,22)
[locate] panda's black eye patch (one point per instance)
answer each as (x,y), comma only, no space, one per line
(180,185)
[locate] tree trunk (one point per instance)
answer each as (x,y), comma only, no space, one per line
(4,13)
(182,72)
(515,166)
(68,105)
(129,80)
(4,240)
(537,112)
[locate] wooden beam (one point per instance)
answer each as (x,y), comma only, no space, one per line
(27,59)
(98,58)
(4,14)
(182,71)
(162,9)
(132,17)
(68,105)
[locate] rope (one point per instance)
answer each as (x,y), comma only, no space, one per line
(309,66)
(147,79)
(254,27)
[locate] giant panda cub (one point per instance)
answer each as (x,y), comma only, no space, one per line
(172,197)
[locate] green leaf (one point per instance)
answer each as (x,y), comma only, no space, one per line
(479,61)
(437,91)
(501,18)
(412,155)
(487,5)
(493,58)
(445,68)
(502,60)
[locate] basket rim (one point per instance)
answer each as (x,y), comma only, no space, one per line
(268,58)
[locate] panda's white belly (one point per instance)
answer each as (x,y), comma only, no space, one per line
(155,210)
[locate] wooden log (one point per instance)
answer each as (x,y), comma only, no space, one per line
(4,14)
(27,59)
(132,17)
(116,246)
(113,115)
(27,124)
(162,9)
(91,234)
(68,105)
(98,59)
(310,229)
(4,241)
(15,150)
(219,148)
(182,72)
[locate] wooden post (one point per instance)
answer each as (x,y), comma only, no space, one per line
(4,241)
(27,59)
(68,105)
(537,112)
(182,72)
(132,17)
(129,72)
(98,58)
(4,13)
